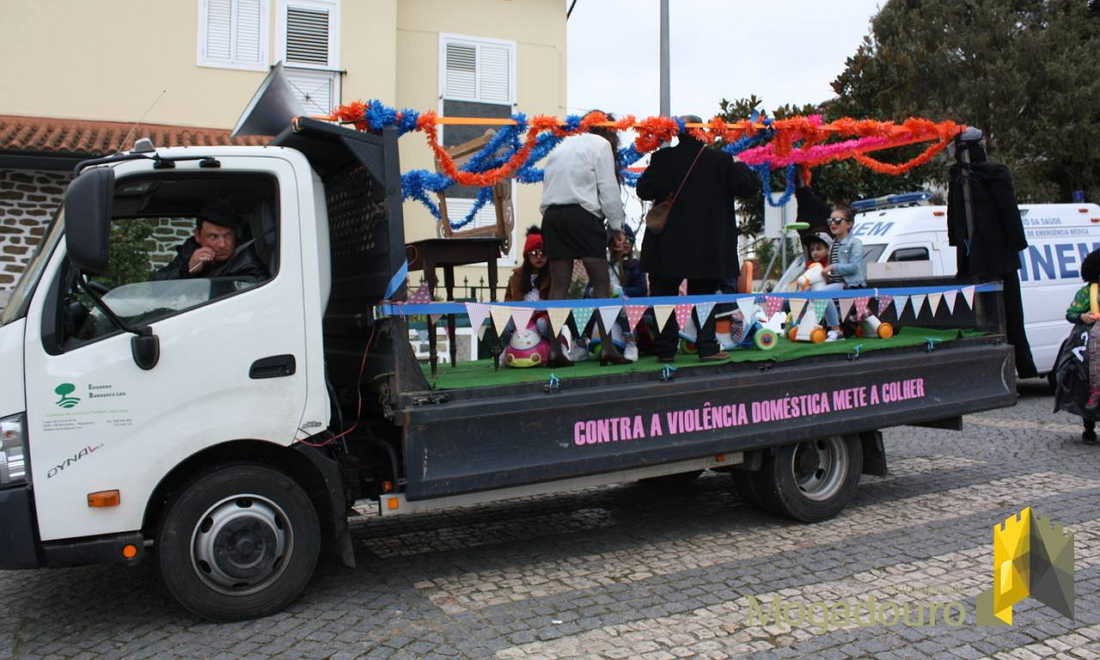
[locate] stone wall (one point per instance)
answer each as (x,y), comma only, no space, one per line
(28,199)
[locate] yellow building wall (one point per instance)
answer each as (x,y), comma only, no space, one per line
(111,59)
(538,29)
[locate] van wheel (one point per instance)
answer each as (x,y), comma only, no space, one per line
(239,542)
(813,480)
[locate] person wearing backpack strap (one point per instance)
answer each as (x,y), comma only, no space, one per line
(699,239)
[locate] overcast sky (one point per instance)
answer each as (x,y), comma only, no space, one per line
(784,51)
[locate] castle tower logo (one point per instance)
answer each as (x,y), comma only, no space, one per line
(1031,557)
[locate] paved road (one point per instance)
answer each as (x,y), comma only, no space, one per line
(625,571)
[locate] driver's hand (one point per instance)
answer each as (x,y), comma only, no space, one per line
(199,259)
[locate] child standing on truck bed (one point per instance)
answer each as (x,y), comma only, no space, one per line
(1085,309)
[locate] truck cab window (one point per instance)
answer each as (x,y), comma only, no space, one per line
(177,241)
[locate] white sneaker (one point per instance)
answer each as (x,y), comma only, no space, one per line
(631,352)
(833,336)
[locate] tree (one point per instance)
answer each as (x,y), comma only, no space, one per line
(1023,71)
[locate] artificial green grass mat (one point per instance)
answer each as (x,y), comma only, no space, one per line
(482,374)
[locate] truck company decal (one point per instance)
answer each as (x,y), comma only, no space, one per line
(60,467)
(711,417)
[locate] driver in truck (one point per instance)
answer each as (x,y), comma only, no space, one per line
(213,251)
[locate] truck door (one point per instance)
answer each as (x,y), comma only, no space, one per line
(231,340)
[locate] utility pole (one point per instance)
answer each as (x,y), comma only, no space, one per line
(666,105)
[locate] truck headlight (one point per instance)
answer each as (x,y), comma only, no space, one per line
(13,465)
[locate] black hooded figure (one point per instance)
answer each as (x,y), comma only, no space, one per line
(989,241)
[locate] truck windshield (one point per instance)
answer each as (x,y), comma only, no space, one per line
(17,304)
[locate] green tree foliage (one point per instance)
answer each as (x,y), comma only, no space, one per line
(128,257)
(1026,72)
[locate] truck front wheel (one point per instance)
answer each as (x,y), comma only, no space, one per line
(239,542)
(813,480)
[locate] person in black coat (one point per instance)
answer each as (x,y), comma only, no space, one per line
(213,250)
(988,245)
(699,241)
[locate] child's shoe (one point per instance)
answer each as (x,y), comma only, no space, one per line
(631,352)
(1089,437)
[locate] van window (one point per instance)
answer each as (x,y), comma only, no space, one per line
(872,252)
(909,254)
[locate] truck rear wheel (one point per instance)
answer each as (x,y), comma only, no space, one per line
(813,480)
(239,542)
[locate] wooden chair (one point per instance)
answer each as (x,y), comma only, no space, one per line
(502,200)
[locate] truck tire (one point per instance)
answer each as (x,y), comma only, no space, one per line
(239,542)
(813,480)
(750,486)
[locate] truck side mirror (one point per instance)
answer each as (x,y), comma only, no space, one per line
(88,206)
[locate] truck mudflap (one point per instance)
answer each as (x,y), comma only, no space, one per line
(18,536)
(487,442)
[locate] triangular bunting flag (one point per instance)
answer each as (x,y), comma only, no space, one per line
(703,310)
(420,296)
(747,305)
(806,326)
(797,305)
(899,304)
(883,303)
(918,303)
(772,304)
(557,316)
(845,307)
(522,316)
(634,314)
(949,298)
(819,306)
(683,314)
(662,312)
(500,316)
(581,316)
(477,313)
(968,295)
(861,307)
(608,315)
(934,302)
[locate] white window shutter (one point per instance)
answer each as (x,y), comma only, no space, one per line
(494,74)
(249,50)
(459,207)
(461,81)
(307,35)
(315,90)
(219,30)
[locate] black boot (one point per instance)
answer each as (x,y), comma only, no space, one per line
(557,359)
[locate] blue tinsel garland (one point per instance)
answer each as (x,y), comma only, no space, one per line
(417,184)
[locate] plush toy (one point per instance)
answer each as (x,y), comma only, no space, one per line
(813,279)
(527,348)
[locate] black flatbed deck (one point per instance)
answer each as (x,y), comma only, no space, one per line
(466,440)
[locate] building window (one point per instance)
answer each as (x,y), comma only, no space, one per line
(233,34)
(309,48)
(477,79)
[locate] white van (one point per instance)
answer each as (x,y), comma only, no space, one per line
(912,242)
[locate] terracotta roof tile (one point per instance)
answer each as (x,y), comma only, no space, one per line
(47,135)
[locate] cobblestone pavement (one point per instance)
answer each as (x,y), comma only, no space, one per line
(631,571)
